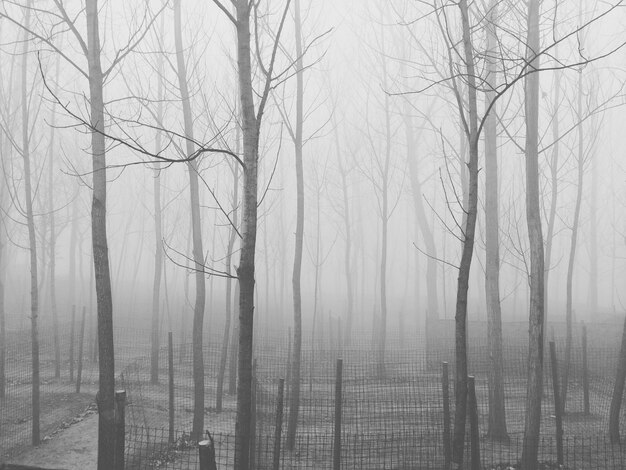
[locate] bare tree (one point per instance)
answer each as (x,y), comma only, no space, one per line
(497,411)
(196,228)
(534,388)
(252,116)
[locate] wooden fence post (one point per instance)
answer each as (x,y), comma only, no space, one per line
(279,424)
(557,404)
(445,388)
(473,419)
(206,450)
(120,431)
(253,416)
(338,406)
(72,343)
(81,337)
(170,370)
(586,406)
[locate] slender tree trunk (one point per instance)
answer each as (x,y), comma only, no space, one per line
(469,228)
(422,222)
(294,405)
(347,260)
(245,270)
(52,247)
(158,236)
(196,227)
(104,299)
(554,190)
(533,217)
(572,251)
(32,240)
(382,333)
(497,411)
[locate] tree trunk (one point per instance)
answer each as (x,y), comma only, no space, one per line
(382,332)
(497,411)
(104,300)
(229,296)
(158,238)
(52,247)
(32,241)
(618,391)
(572,251)
(196,227)
(469,228)
(347,260)
(533,217)
(294,405)
(245,270)
(554,193)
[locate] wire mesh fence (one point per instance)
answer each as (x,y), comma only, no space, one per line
(392,417)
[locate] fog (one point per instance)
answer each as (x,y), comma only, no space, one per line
(346,89)
(262,172)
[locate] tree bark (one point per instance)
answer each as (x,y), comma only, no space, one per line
(469,228)
(104,299)
(497,412)
(32,240)
(229,296)
(52,247)
(618,391)
(533,217)
(196,227)
(158,238)
(572,251)
(245,270)
(347,260)
(294,405)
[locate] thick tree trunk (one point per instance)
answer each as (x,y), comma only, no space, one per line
(245,270)
(533,216)
(3,337)
(196,228)
(32,240)
(469,228)
(229,296)
(497,411)
(104,299)
(294,405)
(618,391)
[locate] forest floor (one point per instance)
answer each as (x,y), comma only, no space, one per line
(72,446)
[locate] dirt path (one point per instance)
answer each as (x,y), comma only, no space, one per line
(73,448)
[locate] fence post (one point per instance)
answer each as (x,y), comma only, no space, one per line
(586,406)
(279,424)
(338,406)
(445,388)
(557,404)
(170,370)
(253,416)
(206,450)
(81,338)
(120,403)
(72,343)
(473,419)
